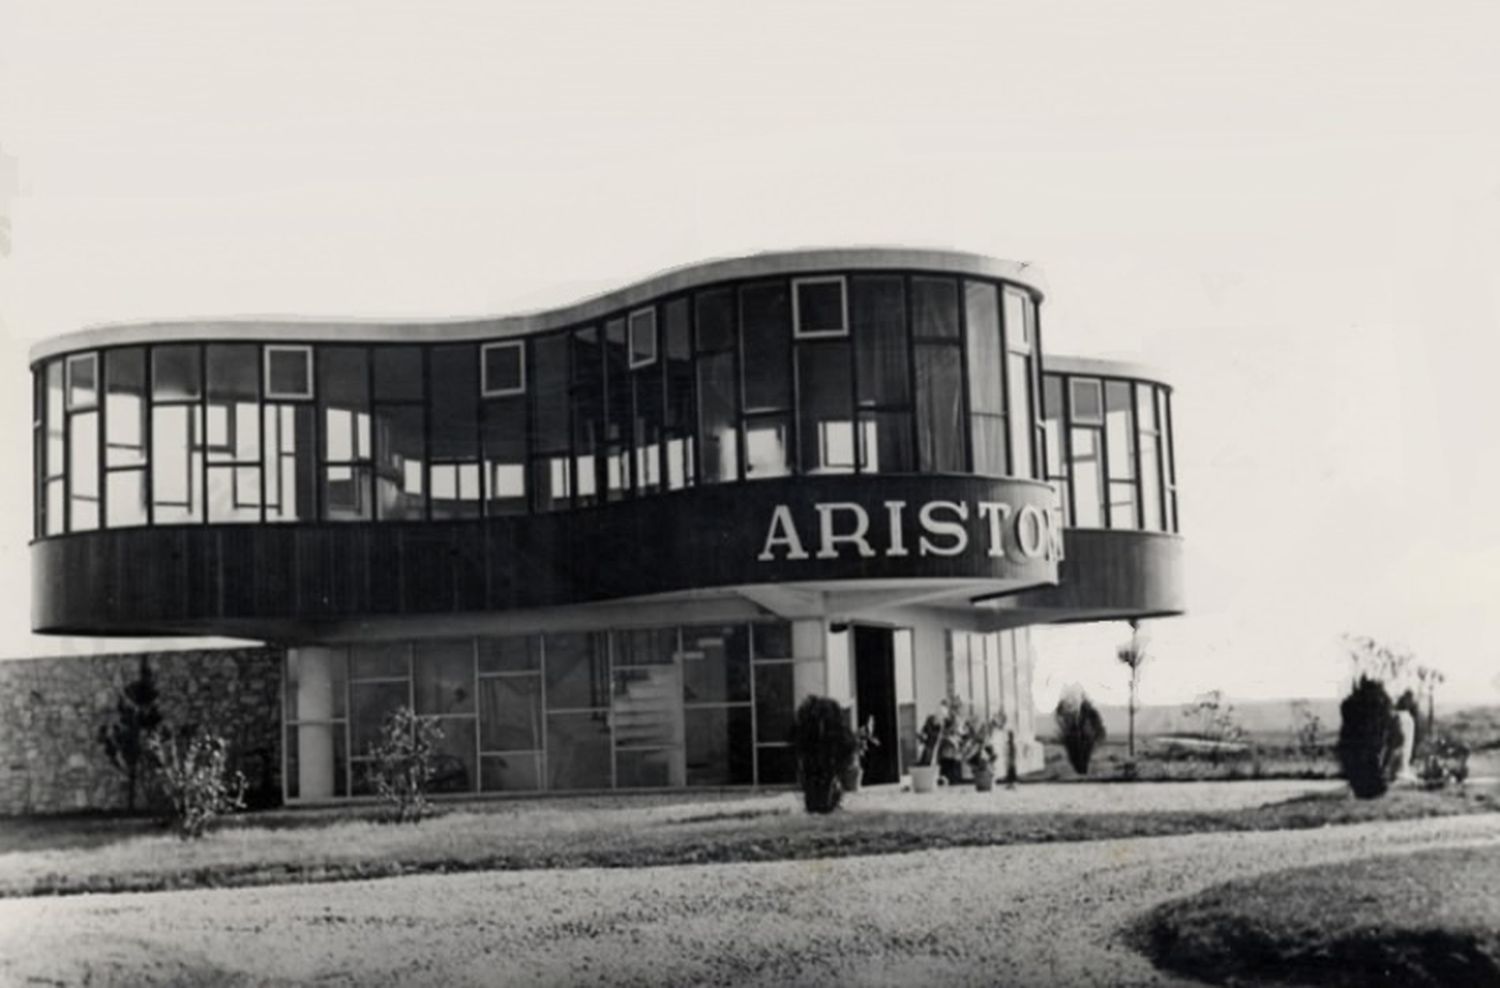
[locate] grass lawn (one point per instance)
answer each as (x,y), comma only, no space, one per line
(39,857)
(1427,918)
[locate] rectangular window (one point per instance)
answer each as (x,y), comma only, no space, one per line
(765,319)
(1019,385)
(642,338)
(400,459)
(878,325)
(767,447)
(940,429)
(1088,401)
(825,408)
(1150,433)
(83,381)
(289,372)
(504,368)
(125,407)
(1018,330)
(820,307)
(987,426)
(504,437)
(680,422)
(1088,478)
(454,490)
(83,471)
(717,432)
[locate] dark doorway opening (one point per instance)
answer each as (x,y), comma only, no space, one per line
(875,696)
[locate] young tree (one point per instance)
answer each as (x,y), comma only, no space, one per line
(1133,655)
(193,769)
(404,762)
(136,717)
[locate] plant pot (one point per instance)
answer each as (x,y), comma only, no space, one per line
(850,777)
(924,778)
(984,778)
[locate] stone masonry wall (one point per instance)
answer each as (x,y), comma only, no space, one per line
(51,708)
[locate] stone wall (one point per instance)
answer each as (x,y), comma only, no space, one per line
(51,708)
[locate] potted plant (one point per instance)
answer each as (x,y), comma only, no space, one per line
(924,774)
(864,740)
(978,748)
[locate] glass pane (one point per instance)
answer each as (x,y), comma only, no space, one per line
(766,321)
(715,313)
(647,428)
(455,403)
(877,314)
(443,676)
(647,707)
(125,406)
(719,750)
(176,464)
(502,366)
(288,370)
(649,769)
(379,660)
(934,308)
(510,713)
(825,393)
(233,372)
(771,640)
(510,773)
(1017,320)
(1088,479)
(1052,424)
(1087,401)
(505,455)
(939,410)
(775,702)
(346,493)
(982,309)
(398,373)
(778,766)
(550,483)
(56,423)
(234,494)
(127,498)
(653,646)
(716,664)
(617,429)
(1122,504)
(767,452)
(517,653)
(291,467)
(820,306)
(371,704)
(83,381)
(643,337)
(718,434)
(588,410)
(1020,415)
(453,760)
(83,471)
(1150,484)
(1118,430)
(885,442)
(455,490)
(175,373)
(577,671)
(989,444)
(578,751)
(549,393)
(399,461)
(56,508)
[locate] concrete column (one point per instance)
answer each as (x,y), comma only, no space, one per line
(315,702)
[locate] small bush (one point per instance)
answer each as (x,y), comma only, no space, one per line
(1443,761)
(825,746)
(192,771)
(1080,728)
(404,761)
(1369,739)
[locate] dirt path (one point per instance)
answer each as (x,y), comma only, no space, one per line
(1033,915)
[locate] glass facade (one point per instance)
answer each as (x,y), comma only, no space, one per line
(697,705)
(1107,446)
(859,372)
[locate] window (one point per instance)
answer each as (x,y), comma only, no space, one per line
(348,453)
(83,382)
(234,433)
(504,369)
(126,426)
(454,490)
(987,424)
(826,408)
(1119,449)
(821,307)
(642,338)
(289,372)
(765,319)
(177,434)
(1088,401)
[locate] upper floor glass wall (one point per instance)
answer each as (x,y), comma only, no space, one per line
(1108,449)
(837,372)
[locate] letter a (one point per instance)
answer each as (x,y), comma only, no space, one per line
(782,532)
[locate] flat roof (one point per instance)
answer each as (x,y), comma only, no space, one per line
(440,330)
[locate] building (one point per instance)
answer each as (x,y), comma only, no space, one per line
(611,545)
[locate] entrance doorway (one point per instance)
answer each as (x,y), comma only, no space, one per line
(875,696)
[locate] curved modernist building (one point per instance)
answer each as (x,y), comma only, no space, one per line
(611,545)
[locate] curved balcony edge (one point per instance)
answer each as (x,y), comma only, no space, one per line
(1107,575)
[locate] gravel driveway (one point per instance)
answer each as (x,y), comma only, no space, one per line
(1023,915)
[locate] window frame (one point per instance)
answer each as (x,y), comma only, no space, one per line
(485,391)
(630,337)
(269,393)
(73,359)
(798,333)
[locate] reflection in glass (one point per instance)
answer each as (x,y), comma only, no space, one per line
(577,671)
(579,755)
(1151,519)
(510,713)
(290,464)
(719,747)
(718,434)
(766,452)
(443,677)
(175,374)
(715,664)
(647,707)
(399,458)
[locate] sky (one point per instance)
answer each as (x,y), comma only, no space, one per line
(1292,210)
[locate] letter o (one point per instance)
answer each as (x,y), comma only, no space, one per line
(1034,546)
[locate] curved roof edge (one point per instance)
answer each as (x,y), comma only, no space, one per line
(1102,367)
(473,328)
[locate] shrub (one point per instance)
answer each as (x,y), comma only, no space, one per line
(136,717)
(192,770)
(1444,760)
(825,746)
(1309,731)
(404,761)
(1081,729)
(1369,739)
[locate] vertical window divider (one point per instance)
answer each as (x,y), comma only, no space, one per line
(913,428)
(101,425)
(372,483)
(1003,318)
(793,430)
(967,439)
(198,429)
(543,781)
(426,435)
(1137,428)
(1067,446)
(855,425)
(1171,436)
(741,441)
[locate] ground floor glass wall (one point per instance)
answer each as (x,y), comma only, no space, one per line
(697,705)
